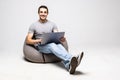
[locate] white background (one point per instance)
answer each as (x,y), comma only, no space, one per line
(86,22)
(91,25)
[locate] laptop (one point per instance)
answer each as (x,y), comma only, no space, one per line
(51,37)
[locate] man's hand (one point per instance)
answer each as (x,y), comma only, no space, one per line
(62,39)
(38,41)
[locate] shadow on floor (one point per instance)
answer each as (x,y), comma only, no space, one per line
(59,64)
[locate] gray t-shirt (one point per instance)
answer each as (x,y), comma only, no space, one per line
(39,28)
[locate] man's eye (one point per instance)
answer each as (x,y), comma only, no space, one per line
(41,11)
(45,12)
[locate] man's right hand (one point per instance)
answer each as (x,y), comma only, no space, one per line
(38,41)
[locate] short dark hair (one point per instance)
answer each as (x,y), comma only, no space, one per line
(43,6)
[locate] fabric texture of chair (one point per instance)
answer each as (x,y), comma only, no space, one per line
(33,55)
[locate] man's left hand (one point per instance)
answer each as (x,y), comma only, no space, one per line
(62,39)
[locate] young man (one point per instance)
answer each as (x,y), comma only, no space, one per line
(45,26)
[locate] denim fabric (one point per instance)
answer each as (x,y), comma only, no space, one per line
(58,50)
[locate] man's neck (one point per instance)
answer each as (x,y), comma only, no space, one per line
(43,21)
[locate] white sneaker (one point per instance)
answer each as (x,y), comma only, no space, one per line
(73,65)
(79,58)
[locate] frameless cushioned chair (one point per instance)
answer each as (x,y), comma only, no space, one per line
(33,55)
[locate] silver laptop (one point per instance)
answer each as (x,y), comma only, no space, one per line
(51,37)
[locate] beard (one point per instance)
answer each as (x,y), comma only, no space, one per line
(43,17)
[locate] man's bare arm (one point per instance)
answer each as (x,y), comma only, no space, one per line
(29,39)
(55,30)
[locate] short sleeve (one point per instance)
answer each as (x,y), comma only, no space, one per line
(31,29)
(54,26)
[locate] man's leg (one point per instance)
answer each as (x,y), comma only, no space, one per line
(59,52)
(57,49)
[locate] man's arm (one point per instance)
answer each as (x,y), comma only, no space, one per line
(55,30)
(29,39)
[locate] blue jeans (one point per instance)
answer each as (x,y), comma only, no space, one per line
(58,50)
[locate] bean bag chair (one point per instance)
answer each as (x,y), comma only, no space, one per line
(33,55)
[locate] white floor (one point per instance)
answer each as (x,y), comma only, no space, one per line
(99,63)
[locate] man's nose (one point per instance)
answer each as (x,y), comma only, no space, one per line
(43,13)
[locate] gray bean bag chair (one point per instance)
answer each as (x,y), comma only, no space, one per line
(31,54)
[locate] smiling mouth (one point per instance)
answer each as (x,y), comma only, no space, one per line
(42,15)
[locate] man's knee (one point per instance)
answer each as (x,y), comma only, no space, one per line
(60,45)
(52,45)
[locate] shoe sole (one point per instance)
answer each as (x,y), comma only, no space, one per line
(73,65)
(81,56)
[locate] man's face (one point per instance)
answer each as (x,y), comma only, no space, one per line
(43,14)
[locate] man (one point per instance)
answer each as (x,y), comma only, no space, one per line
(45,26)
